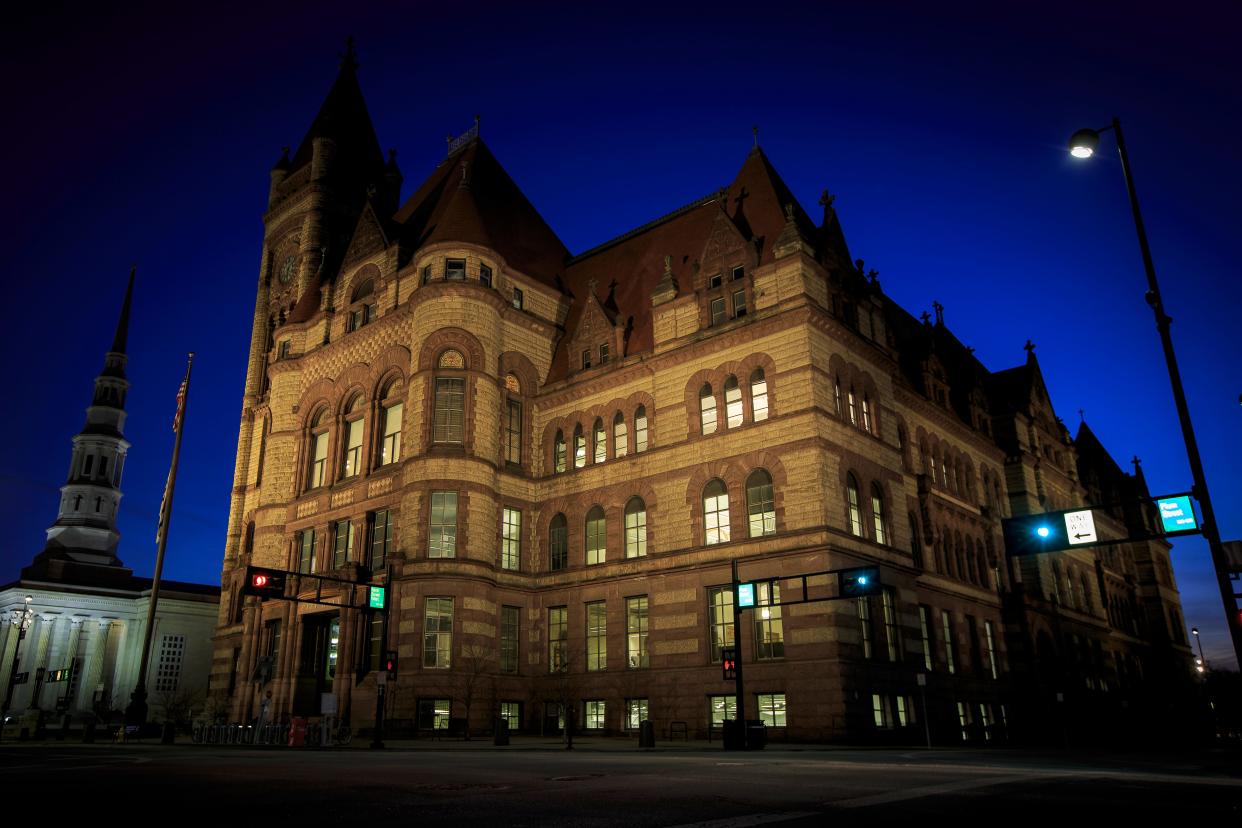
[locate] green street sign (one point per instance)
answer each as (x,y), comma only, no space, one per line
(745,595)
(1177,514)
(377,597)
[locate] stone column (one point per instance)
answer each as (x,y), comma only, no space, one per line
(8,640)
(96,634)
(36,654)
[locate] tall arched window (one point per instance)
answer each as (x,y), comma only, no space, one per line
(866,415)
(758,396)
(579,447)
(318,460)
(361,305)
(916,546)
(596,543)
(558,543)
(853,402)
(558,452)
(640,429)
(970,561)
(513,419)
(733,403)
(877,514)
(760,504)
(707,410)
(852,500)
(620,436)
(635,528)
(354,423)
(950,568)
(391,412)
(449,422)
(599,441)
(715,513)
(836,395)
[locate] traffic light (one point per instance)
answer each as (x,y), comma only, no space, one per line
(728,663)
(858,582)
(390,664)
(1033,534)
(265,583)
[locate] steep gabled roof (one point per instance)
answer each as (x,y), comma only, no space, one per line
(343,117)
(470,198)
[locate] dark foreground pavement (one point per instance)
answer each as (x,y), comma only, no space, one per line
(612,783)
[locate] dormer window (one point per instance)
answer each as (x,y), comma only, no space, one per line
(603,353)
(718,310)
(485,275)
(739,303)
(283,350)
(362,305)
(517,298)
(586,358)
(738,273)
(715,281)
(455,269)
(426,274)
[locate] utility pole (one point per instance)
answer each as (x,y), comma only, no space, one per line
(739,689)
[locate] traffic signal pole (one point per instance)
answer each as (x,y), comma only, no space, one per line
(381,686)
(739,687)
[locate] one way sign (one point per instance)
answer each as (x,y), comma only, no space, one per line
(1080,527)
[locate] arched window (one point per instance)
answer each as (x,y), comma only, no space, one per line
(707,410)
(513,420)
(579,447)
(961,564)
(715,513)
(558,452)
(620,436)
(318,450)
(640,429)
(853,403)
(916,546)
(599,442)
(867,424)
(984,580)
(973,575)
(733,403)
(596,550)
(836,395)
(353,438)
(903,445)
(449,422)
(635,528)
(391,411)
(758,396)
(760,504)
(852,500)
(944,469)
(877,514)
(361,305)
(558,543)
(949,568)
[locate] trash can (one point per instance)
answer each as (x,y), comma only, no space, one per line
(166,738)
(646,734)
(297,732)
(500,732)
(756,734)
(732,734)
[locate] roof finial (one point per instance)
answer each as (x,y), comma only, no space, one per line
(1082,417)
(349,60)
(1138,464)
(755,131)
(789,212)
(1029,347)
(477,119)
(939,309)
(826,199)
(926,317)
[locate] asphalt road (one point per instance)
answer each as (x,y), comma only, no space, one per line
(477,784)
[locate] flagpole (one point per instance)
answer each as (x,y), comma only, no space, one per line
(136,713)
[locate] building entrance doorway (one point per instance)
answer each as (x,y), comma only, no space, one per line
(321,639)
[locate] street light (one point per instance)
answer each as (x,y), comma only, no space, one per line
(1083,144)
(1201,661)
(21,619)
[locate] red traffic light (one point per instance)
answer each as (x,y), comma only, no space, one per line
(259,580)
(265,583)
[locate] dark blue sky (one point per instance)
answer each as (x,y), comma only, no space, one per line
(147,134)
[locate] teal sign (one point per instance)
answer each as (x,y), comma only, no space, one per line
(1177,514)
(377,597)
(745,595)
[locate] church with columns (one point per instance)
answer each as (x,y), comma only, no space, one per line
(72,625)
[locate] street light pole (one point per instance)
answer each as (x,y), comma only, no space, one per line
(1202,661)
(1082,145)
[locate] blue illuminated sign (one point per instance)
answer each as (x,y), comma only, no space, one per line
(745,595)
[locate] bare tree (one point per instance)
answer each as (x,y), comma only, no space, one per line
(180,706)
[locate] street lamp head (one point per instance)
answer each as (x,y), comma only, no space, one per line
(1194,631)
(1082,143)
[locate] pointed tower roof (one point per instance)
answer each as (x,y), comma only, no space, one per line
(122,324)
(471,198)
(760,197)
(344,118)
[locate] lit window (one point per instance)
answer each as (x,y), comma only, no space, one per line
(877,514)
(635,713)
(379,529)
(579,448)
(879,710)
(720,619)
(455,269)
(597,636)
(772,709)
(558,639)
(733,403)
(707,410)
(306,551)
(443,534)
(319,450)
(433,714)
(758,395)
(390,444)
(851,496)
(640,429)
(990,640)
(853,401)
(866,415)
(558,452)
(635,528)
(511,712)
(715,513)
(558,543)
(511,539)
(925,630)
(721,709)
(836,395)
(599,442)
(343,545)
(593,714)
(353,442)
(595,540)
(620,439)
(864,620)
(760,504)
(636,632)
(890,624)
(438,633)
(769,630)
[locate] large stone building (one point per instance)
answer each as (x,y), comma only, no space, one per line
(82,646)
(553,460)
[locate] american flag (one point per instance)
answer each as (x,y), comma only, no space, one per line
(181,395)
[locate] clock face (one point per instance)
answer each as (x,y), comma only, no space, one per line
(287,268)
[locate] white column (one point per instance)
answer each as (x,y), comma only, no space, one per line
(97,632)
(8,639)
(76,626)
